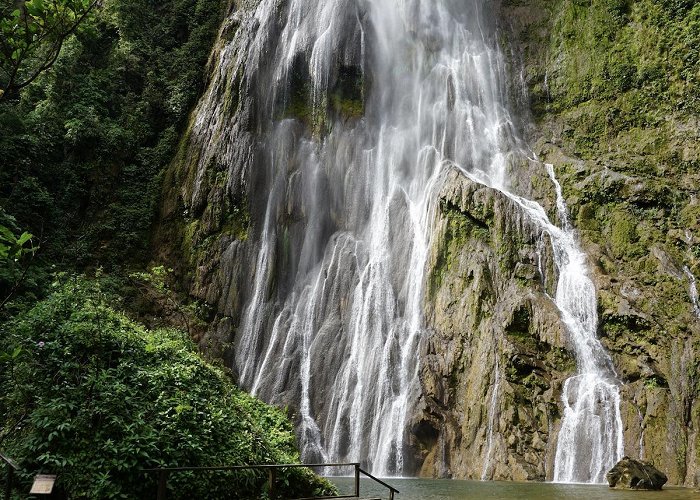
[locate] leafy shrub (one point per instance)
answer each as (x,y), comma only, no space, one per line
(90,395)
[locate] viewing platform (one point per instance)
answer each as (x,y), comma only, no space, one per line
(275,491)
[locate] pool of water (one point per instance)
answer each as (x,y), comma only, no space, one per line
(436,489)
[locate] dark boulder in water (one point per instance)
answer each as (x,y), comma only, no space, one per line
(631,474)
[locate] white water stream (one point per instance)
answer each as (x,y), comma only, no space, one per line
(692,281)
(591,437)
(333,316)
(693,290)
(493,408)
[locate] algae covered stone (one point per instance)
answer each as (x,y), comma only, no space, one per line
(633,474)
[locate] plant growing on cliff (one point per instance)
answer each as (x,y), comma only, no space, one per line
(16,252)
(82,148)
(93,396)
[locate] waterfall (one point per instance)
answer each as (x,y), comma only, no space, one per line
(344,202)
(334,319)
(693,288)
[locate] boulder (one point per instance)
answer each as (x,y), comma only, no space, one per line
(631,474)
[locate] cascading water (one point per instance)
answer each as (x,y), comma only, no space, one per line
(343,343)
(693,290)
(590,440)
(333,314)
(591,436)
(693,287)
(495,388)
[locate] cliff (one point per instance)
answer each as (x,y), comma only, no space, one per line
(612,89)
(606,92)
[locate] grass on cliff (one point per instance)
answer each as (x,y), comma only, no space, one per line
(617,68)
(92,396)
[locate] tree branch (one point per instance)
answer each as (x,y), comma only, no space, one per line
(34,44)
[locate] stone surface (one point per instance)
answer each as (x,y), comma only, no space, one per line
(631,474)
(493,329)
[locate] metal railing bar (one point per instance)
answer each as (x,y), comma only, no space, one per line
(243,467)
(379,481)
(322,498)
(163,473)
(11,468)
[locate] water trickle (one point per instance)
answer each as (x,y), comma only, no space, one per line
(642,430)
(693,290)
(344,203)
(495,388)
(692,282)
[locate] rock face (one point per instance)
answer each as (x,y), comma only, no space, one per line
(631,188)
(631,474)
(493,368)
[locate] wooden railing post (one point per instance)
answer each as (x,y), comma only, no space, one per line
(8,485)
(357,480)
(272,474)
(162,484)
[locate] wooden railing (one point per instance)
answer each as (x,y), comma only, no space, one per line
(164,472)
(11,468)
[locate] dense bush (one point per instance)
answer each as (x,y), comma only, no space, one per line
(94,397)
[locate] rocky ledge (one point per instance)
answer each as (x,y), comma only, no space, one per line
(631,474)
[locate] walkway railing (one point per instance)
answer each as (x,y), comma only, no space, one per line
(164,472)
(11,468)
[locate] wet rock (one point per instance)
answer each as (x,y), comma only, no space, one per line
(633,474)
(495,361)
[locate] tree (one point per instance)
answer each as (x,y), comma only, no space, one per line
(32,33)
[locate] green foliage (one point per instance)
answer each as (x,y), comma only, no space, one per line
(623,234)
(17,250)
(641,58)
(154,286)
(461,226)
(347,97)
(94,397)
(13,247)
(83,149)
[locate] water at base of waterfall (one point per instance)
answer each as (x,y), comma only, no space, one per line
(449,489)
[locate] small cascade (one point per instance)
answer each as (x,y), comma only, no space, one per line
(591,436)
(642,429)
(692,282)
(693,290)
